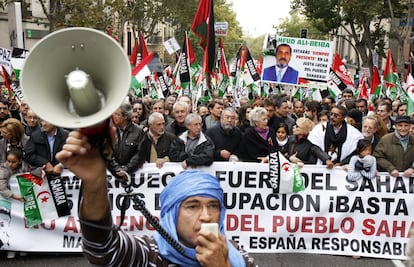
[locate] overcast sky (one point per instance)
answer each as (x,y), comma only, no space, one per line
(257,16)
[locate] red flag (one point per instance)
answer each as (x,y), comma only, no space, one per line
(243,57)
(259,66)
(7,80)
(133,56)
(139,51)
(203,26)
(340,69)
(190,51)
(375,79)
(363,93)
(224,68)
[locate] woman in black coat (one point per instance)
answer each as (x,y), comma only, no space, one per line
(258,140)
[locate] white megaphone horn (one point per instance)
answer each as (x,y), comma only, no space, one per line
(76,77)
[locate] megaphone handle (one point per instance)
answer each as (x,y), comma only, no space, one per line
(101,136)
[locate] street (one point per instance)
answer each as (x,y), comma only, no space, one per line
(263,260)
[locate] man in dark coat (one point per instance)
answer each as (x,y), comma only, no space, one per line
(156,143)
(192,148)
(43,145)
(125,156)
(395,151)
(226,137)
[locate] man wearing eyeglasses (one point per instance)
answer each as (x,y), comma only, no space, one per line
(192,148)
(336,137)
(190,199)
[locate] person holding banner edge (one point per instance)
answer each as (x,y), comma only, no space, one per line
(190,198)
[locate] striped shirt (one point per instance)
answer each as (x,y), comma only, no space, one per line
(106,247)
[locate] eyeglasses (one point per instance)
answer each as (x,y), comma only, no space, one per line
(195,207)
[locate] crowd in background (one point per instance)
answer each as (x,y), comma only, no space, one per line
(176,129)
(361,137)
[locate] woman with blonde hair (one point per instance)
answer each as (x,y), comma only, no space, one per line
(301,150)
(12,131)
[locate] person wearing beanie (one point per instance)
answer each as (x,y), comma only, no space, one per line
(395,151)
(190,199)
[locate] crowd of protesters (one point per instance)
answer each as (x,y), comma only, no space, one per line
(361,137)
(175,129)
(325,132)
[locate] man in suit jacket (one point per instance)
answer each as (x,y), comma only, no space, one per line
(43,145)
(281,72)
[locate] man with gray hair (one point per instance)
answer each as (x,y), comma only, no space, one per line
(227,137)
(156,142)
(125,157)
(192,148)
(180,111)
(369,130)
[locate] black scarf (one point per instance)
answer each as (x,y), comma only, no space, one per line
(335,141)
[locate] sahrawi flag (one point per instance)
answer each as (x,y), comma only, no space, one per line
(149,65)
(390,77)
(44,199)
(285,177)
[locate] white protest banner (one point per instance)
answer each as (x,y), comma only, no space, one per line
(5,59)
(310,59)
(370,218)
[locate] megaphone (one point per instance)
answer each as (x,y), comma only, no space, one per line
(76,77)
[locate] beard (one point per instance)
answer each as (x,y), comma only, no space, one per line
(227,127)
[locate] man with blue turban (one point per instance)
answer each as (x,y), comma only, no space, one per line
(190,199)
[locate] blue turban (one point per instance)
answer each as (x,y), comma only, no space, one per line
(185,185)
